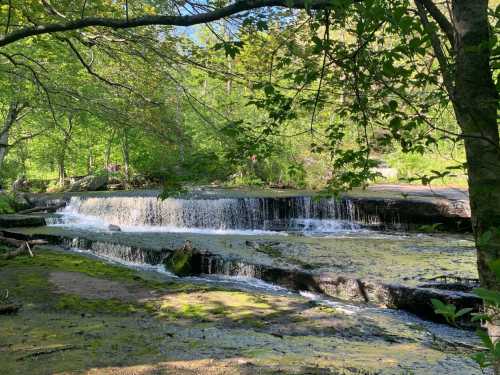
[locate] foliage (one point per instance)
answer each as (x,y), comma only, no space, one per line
(253,105)
(490,356)
(448,311)
(6,205)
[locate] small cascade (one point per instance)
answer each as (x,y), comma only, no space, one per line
(213,265)
(250,214)
(117,252)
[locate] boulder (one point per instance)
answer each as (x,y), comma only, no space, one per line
(89,183)
(21,201)
(20,184)
(114,228)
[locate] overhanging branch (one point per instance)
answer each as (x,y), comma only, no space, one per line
(187,20)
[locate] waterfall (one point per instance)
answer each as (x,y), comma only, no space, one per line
(251,214)
(118,252)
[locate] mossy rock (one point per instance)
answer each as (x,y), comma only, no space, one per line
(182,262)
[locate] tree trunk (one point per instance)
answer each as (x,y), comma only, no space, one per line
(10,119)
(90,162)
(126,155)
(4,141)
(64,146)
(109,145)
(475,100)
(61,170)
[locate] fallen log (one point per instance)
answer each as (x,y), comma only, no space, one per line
(14,242)
(49,208)
(22,246)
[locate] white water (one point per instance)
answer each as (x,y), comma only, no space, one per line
(255,216)
(159,268)
(77,220)
(116,256)
(346,308)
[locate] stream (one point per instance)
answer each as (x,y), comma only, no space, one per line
(270,245)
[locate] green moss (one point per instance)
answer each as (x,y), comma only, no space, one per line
(254,323)
(192,312)
(269,250)
(180,262)
(112,306)
(58,260)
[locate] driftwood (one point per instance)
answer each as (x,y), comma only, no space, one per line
(50,208)
(22,246)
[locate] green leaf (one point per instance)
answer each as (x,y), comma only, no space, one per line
(462,312)
(269,89)
(480,317)
(485,238)
(491,296)
(495,267)
(486,340)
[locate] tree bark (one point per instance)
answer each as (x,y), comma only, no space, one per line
(61,170)
(64,146)
(10,120)
(476,101)
(107,154)
(126,155)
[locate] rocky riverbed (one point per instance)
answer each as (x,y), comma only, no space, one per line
(81,315)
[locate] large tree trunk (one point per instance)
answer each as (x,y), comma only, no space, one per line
(476,102)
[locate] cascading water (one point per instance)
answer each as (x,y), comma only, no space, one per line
(142,213)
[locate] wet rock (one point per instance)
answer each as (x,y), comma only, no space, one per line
(114,228)
(416,300)
(89,183)
(21,201)
(411,213)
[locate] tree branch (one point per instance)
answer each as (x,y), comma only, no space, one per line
(438,50)
(89,69)
(9,17)
(148,20)
(443,22)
